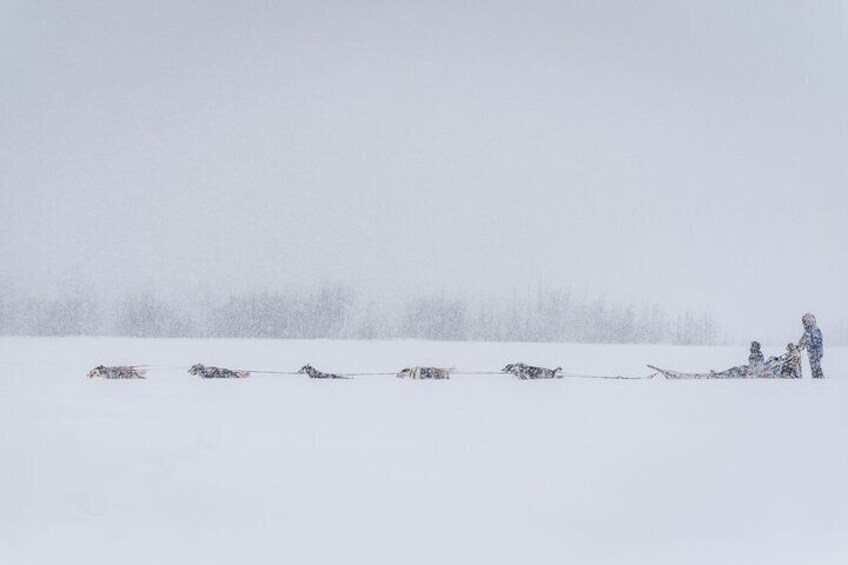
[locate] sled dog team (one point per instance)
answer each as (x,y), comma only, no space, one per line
(519,370)
(787,365)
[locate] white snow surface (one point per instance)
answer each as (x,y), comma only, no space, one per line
(479,469)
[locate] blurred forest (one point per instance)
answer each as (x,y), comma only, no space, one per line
(338,312)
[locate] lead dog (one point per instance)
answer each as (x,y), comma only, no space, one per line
(524,372)
(119,372)
(217,372)
(424,373)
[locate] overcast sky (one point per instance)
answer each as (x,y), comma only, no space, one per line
(691,154)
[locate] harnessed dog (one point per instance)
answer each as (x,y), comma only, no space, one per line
(424,373)
(316,374)
(217,372)
(525,372)
(118,372)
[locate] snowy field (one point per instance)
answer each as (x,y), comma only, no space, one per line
(475,470)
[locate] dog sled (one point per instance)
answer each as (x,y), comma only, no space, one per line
(784,366)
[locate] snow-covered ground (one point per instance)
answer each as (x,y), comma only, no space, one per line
(475,470)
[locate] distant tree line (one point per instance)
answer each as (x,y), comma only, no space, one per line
(338,312)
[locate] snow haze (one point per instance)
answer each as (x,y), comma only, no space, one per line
(685,154)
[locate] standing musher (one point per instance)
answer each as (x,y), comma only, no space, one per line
(812,342)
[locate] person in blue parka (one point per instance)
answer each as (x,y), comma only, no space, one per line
(812,342)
